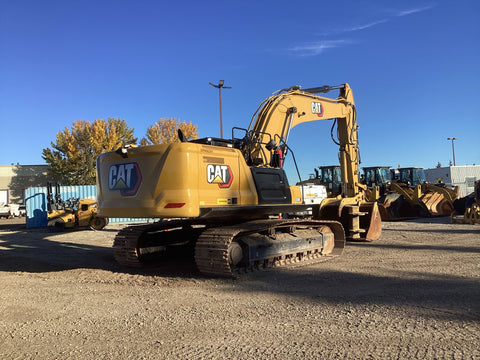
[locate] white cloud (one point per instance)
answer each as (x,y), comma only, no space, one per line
(396,14)
(316,48)
(366,26)
(414,10)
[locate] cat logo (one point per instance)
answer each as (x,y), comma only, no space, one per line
(219,174)
(125,177)
(317,108)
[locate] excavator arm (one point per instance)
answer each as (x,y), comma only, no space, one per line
(269,131)
(277,115)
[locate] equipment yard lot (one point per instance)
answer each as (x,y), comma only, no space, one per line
(414,293)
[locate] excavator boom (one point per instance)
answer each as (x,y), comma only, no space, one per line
(281,112)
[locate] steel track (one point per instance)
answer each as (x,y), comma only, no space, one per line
(212,246)
(212,257)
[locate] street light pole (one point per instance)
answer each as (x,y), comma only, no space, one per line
(219,87)
(453,148)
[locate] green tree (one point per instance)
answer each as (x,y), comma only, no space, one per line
(72,158)
(164,131)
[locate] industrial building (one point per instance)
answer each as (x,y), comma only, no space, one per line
(463,176)
(14,179)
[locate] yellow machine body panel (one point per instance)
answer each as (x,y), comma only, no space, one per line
(87,208)
(173,181)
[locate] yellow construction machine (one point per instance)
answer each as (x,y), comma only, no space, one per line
(467,209)
(328,176)
(73,213)
(377,178)
(404,193)
(428,199)
(221,196)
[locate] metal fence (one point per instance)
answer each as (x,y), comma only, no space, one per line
(36,204)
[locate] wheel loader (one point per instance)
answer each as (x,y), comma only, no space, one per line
(73,213)
(223,197)
(328,176)
(407,195)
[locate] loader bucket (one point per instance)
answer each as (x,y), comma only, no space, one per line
(394,207)
(361,222)
(437,204)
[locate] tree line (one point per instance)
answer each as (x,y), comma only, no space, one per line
(71,159)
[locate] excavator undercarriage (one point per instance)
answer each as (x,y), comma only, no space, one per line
(229,250)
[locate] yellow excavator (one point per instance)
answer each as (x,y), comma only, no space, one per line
(224,196)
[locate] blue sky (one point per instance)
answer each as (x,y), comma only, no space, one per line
(413,67)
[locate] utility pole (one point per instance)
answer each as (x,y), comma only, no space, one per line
(453,148)
(219,87)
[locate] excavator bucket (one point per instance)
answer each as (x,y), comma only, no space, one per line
(371,222)
(361,222)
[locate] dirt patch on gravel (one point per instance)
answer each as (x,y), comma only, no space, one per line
(414,293)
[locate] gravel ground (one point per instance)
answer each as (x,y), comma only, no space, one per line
(414,293)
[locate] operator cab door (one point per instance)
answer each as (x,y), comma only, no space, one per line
(272,186)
